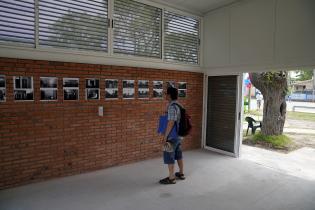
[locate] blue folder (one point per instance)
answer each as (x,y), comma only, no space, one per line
(163,125)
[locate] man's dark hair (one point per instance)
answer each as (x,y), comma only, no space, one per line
(172,92)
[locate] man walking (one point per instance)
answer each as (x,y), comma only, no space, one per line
(172,146)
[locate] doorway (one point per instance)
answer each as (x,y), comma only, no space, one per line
(223,111)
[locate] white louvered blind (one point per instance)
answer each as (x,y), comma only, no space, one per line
(75,24)
(17,21)
(181,41)
(137,29)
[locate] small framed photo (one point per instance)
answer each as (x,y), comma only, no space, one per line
(92,88)
(157,84)
(2,88)
(128,89)
(48,88)
(143,89)
(70,89)
(170,84)
(71,94)
(182,93)
(158,89)
(48,94)
(182,85)
(111,89)
(23,88)
(182,89)
(111,93)
(70,82)
(157,93)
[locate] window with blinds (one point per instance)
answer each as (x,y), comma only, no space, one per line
(75,24)
(17,21)
(137,29)
(181,38)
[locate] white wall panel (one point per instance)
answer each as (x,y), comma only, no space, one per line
(252,31)
(261,35)
(216,39)
(295,37)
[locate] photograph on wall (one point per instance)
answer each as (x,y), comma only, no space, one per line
(92,89)
(157,93)
(182,93)
(71,89)
(23,88)
(157,84)
(111,88)
(182,89)
(48,94)
(157,89)
(182,85)
(2,88)
(143,89)
(70,94)
(48,82)
(170,84)
(111,93)
(128,89)
(70,82)
(48,88)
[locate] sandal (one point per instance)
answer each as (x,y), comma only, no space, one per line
(167,180)
(180,176)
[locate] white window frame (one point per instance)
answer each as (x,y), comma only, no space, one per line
(32,88)
(23,51)
(56,89)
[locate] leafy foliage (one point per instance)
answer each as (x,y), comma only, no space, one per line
(304,74)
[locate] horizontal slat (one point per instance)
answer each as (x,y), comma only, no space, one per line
(137,29)
(17,21)
(74,24)
(133,10)
(135,5)
(172,39)
(142,54)
(55,15)
(73,46)
(140,24)
(58,30)
(181,41)
(72,38)
(69,7)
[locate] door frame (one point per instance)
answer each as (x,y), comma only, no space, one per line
(239,110)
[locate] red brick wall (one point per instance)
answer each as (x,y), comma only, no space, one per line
(42,140)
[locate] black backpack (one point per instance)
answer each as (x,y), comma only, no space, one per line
(184,123)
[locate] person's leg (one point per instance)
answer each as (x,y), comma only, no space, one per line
(171,171)
(181,166)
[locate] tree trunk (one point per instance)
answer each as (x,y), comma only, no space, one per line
(273,87)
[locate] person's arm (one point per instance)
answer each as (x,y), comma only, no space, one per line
(170,125)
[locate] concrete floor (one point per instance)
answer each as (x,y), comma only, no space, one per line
(213,182)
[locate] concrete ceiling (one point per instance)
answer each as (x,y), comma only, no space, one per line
(199,7)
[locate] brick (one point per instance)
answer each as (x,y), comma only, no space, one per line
(68,137)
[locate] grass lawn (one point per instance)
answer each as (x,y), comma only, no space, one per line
(281,142)
(290,115)
(301,116)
